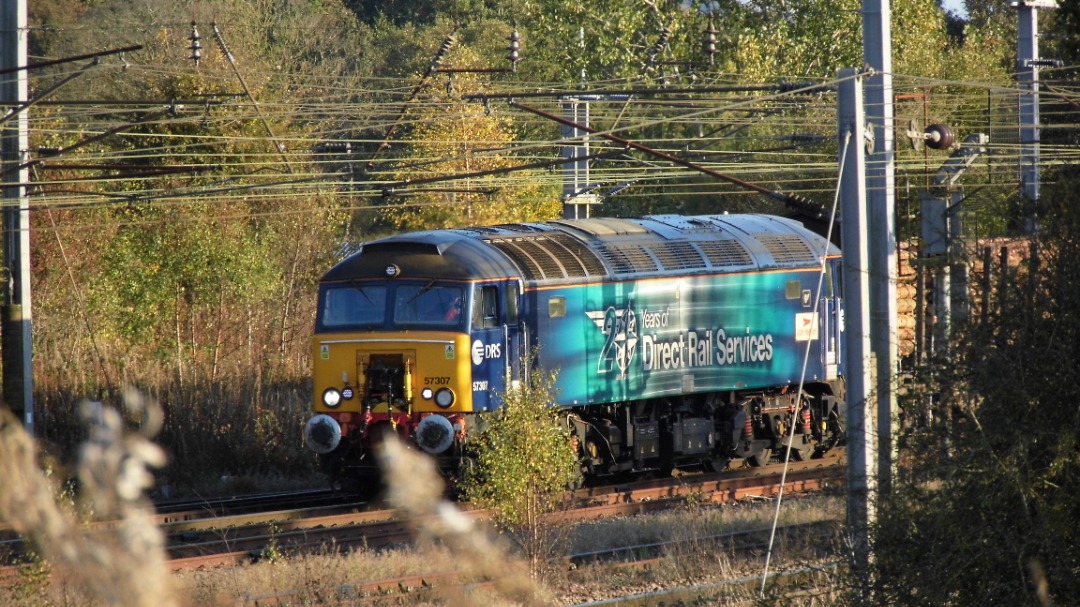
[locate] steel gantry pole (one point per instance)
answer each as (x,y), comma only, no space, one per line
(577,194)
(1027,76)
(861,449)
(881,195)
(14,144)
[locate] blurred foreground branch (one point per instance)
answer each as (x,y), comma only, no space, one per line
(124,566)
(415,487)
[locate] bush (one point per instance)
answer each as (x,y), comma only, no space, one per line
(525,460)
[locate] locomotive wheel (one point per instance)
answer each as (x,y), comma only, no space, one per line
(800,451)
(716,463)
(759,459)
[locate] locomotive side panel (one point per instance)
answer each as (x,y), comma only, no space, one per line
(668,337)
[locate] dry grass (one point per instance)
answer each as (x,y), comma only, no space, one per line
(125,566)
(699,522)
(233,429)
(307,579)
(452,543)
(415,488)
(690,555)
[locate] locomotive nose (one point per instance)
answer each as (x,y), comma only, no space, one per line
(322,434)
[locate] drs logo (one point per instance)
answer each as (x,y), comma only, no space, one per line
(480,351)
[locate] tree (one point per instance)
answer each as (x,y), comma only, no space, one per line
(450,137)
(204,285)
(987,512)
(525,460)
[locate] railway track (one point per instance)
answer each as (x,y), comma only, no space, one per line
(642,557)
(186,509)
(208,508)
(201,535)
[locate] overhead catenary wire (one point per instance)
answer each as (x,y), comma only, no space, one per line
(345,116)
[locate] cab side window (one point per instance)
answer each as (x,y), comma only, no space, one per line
(512,304)
(486,307)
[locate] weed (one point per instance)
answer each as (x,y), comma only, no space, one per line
(33,580)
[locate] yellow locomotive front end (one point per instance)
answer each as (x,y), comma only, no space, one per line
(374,374)
(414,335)
(389,356)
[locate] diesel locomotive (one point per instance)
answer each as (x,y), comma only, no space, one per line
(679,341)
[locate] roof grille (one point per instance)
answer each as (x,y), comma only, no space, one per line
(524,261)
(725,252)
(677,255)
(627,258)
(786,248)
(517,227)
(550,256)
(573,254)
(548,264)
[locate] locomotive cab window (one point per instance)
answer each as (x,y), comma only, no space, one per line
(486,307)
(429,304)
(354,305)
(512,304)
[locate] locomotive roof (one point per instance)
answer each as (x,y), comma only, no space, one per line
(593,249)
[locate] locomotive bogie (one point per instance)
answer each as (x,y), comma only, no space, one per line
(709,430)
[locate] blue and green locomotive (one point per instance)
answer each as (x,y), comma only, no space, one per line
(678,341)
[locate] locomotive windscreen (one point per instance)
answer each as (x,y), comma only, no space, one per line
(371,304)
(353,306)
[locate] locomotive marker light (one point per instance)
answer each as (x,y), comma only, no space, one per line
(322,434)
(427,393)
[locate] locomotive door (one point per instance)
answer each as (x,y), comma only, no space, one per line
(830,330)
(490,347)
(832,321)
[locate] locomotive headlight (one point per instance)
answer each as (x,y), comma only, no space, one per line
(331,397)
(444,397)
(426,393)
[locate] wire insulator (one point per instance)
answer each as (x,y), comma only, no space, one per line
(661,43)
(441,53)
(514,54)
(196,44)
(804,203)
(790,87)
(710,41)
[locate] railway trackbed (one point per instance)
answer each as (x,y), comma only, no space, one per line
(216,540)
(643,557)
